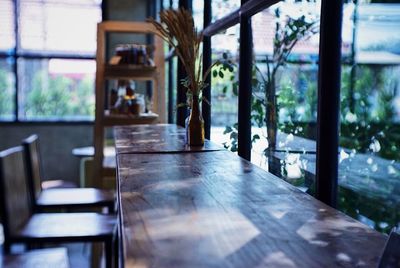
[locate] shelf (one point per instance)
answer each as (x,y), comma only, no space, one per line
(130,71)
(108,70)
(122,119)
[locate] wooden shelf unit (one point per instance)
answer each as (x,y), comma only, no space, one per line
(102,166)
(130,72)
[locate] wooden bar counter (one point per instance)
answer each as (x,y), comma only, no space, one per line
(163,138)
(214,209)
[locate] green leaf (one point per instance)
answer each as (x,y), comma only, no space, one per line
(235,89)
(256,137)
(221,74)
(225,55)
(227,130)
(234,148)
(215,73)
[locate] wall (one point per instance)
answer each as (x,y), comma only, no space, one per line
(124,10)
(56,144)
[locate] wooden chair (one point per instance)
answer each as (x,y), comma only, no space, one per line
(43,258)
(22,226)
(63,198)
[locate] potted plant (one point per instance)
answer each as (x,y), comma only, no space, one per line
(177,28)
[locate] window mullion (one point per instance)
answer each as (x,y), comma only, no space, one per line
(15,58)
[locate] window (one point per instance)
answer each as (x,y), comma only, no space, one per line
(368,153)
(369,159)
(224,88)
(47,62)
(224,82)
(295,86)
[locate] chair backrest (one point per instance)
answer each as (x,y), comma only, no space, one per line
(15,200)
(33,168)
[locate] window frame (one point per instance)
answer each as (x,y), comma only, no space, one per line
(16,54)
(329,73)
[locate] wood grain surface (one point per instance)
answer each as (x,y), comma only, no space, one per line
(215,209)
(162,138)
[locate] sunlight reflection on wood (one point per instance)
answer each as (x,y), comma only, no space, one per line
(332,226)
(207,226)
(277,259)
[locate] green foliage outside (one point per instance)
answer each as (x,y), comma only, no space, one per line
(368,126)
(59,96)
(371,117)
(224,87)
(6,97)
(367,111)
(269,93)
(366,115)
(50,97)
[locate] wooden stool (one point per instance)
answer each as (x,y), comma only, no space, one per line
(65,198)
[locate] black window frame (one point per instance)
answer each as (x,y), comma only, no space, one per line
(329,73)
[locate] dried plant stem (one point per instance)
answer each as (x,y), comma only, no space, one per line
(178,30)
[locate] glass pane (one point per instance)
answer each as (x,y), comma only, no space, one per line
(56,89)
(165,4)
(224,88)
(7,34)
(175,4)
(369,158)
(284,108)
(382,22)
(198,16)
(221,8)
(7,90)
(59,26)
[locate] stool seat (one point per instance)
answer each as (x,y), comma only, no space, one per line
(67,227)
(44,258)
(75,198)
(50,184)
(56,197)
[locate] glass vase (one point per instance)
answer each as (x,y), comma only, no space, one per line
(195,126)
